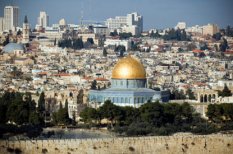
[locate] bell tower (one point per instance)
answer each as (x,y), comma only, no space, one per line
(25,30)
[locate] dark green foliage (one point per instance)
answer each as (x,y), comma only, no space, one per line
(19,32)
(225,92)
(134,46)
(61,117)
(55,42)
(6,41)
(150,118)
(139,128)
(114,33)
(111,112)
(80,97)
(220,113)
(217,36)
(229,31)
(90,40)
(94,85)
(224,45)
(155,35)
(190,94)
(176,95)
(161,119)
(20,109)
(179,35)
(121,49)
(89,115)
(125,35)
(105,53)
(152,113)
(71,43)
(41,103)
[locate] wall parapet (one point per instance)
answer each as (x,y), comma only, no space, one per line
(219,143)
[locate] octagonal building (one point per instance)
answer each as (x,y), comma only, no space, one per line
(128,86)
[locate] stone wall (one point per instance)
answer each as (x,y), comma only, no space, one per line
(214,144)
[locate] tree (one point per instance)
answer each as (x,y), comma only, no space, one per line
(229,31)
(6,41)
(190,94)
(111,112)
(224,45)
(19,32)
(155,35)
(61,117)
(89,115)
(130,114)
(55,42)
(217,36)
(178,34)
(152,113)
(114,33)
(90,40)
(105,53)
(94,85)
(80,96)
(41,104)
(225,92)
(78,43)
(66,105)
(125,35)
(177,95)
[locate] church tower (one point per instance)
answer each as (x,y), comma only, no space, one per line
(25,30)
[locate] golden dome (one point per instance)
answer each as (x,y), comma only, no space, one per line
(128,68)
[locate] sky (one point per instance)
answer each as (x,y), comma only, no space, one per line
(156,13)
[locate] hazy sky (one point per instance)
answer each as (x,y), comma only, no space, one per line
(156,13)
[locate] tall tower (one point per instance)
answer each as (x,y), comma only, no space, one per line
(11,17)
(25,30)
(43,20)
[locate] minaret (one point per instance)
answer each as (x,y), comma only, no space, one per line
(25,30)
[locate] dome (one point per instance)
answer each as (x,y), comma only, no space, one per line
(129,68)
(11,47)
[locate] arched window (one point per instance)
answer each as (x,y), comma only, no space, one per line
(209,98)
(205,99)
(201,99)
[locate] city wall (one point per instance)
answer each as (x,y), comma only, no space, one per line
(214,144)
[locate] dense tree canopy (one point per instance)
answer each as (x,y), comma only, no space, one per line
(19,108)
(150,118)
(125,35)
(71,43)
(61,117)
(225,92)
(179,35)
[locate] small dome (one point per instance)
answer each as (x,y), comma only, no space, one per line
(129,68)
(11,47)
